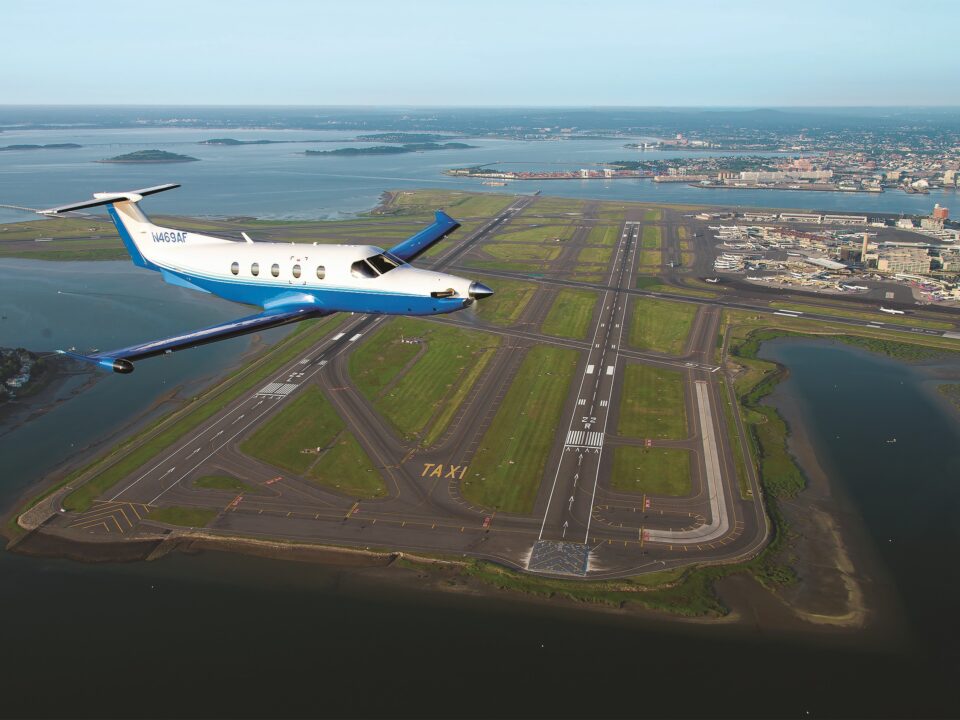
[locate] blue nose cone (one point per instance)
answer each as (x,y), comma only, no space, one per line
(479,291)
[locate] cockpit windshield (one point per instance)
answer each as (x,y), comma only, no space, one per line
(375,265)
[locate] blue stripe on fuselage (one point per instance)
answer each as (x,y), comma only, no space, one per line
(333,299)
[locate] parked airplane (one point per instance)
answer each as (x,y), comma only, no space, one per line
(853,287)
(291,282)
(891,312)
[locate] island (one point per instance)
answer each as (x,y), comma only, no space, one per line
(230,142)
(392,149)
(50,146)
(149,156)
(401,137)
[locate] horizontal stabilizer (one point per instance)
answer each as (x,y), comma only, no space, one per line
(121,360)
(410,248)
(108,198)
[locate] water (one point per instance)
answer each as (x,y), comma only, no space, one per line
(279,182)
(907,492)
(104,305)
(218,634)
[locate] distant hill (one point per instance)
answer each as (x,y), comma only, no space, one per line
(149,156)
(392,149)
(51,146)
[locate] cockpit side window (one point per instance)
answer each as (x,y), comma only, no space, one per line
(361,269)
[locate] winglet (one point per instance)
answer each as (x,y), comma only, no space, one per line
(413,246)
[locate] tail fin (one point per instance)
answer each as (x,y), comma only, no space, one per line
(135,229)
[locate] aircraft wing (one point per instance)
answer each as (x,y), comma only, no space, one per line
(121,360)
(413,246)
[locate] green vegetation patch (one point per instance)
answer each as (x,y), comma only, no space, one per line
(652,238)
(519,251)
(652,215)
(507,469)
(310,439)
(660,325)
(606,235)
(291,437)
(543,234)
(411,369)
(678,592)
(952,392)
(570,314)
(733,440)
(654,471)
(653,404)
(508,301)
(595,255)
(184,516)
(224,482)
(347,468)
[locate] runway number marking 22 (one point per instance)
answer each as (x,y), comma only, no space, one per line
(454,472)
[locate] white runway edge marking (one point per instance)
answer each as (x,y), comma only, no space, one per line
(354,338)
(719,520)
(589,369)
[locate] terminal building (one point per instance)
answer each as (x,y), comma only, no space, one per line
(904,260)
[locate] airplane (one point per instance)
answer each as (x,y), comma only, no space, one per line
(853,287)
(289,281)
(891,312)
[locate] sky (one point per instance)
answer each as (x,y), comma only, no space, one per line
(482,53)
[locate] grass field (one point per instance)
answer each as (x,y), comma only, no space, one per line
(444,356)
(308,423)
(652,215)
(600,256)
(652,238)
(185,516)
(506,471)
(660,325)
(543,234)
(570,314)
(654,471)
(223,482)
(653,404)
(506,304)
(606,235)
(733,439)
(650,260)
(522,252)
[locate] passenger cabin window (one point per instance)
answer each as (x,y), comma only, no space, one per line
(235,268)
(296,271)
(321,272)
(255,269)
(275,270)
